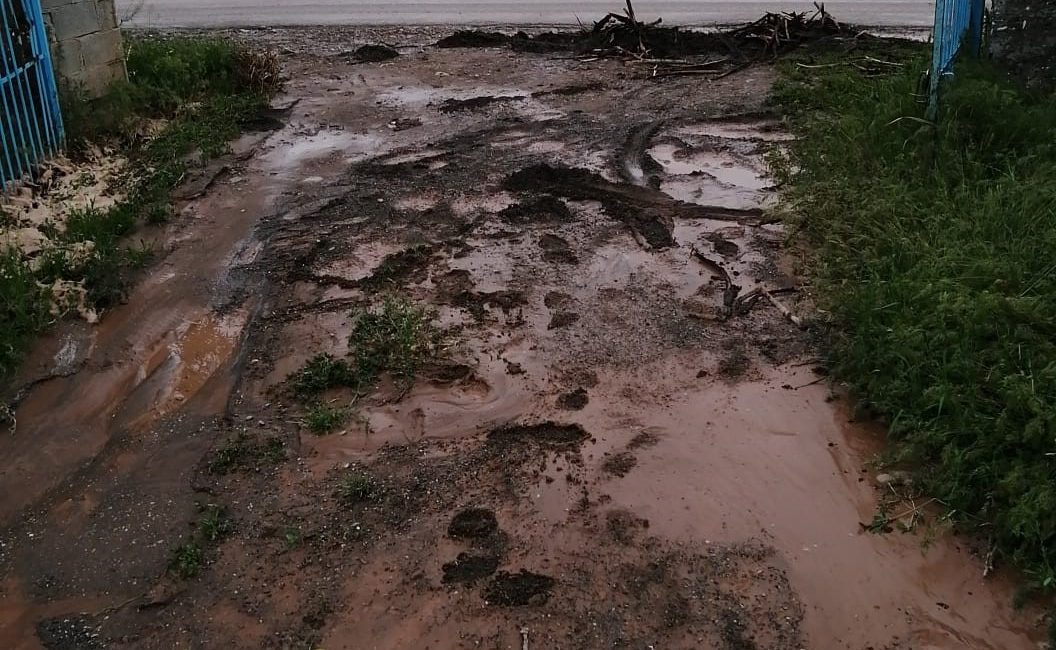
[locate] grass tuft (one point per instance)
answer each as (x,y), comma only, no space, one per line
(934,258)
(359,487)
(322,419)
(395,339)
(246,453)
(214,525)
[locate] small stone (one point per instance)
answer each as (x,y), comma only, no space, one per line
(894,479)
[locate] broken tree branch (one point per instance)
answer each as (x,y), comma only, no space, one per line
(785,311)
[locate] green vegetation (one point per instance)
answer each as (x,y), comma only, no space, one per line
(934,257)
(324,418)
(398,338)
(293,537)
(202,92)
(323,371)
(187,560)
(214,525)
(23,309)
(247,453)
(359,487)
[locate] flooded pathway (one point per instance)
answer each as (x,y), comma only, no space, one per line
(624,442)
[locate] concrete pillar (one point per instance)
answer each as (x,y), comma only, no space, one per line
(85,43)
(1024,40)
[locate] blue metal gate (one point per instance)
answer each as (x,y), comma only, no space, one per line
(30,119)
(958,23)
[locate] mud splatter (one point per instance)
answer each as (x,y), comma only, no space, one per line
(519,589)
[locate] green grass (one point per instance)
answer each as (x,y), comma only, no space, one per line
(247,453)
(934,259)
(213,526)
(395,339)
(205,90)
(187,560)
(359,487)
(23,309)
(322,419)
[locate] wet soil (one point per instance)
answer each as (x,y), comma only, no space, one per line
(708,494)
(519,589)
(473,523)
(467,569)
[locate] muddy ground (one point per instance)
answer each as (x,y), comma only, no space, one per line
(614,447)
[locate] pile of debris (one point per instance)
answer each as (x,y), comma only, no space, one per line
(767,38)
(624,35)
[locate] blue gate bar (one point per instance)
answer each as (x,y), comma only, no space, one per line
(30,117)
(955,21)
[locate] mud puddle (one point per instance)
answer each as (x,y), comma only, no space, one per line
(602,453)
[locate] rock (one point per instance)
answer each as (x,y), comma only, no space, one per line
(375,54)
(894,479)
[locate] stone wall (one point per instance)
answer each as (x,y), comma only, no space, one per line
(1024,40)
(85,43)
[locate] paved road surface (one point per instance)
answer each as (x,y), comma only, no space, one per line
(226,13)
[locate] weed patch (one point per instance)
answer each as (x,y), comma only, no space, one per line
(247,453)
(359,487)
(323,418)
(934,258)
(214,525)
(202,91)
(398,339)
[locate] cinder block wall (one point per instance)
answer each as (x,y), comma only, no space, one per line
(1024,40)
(85,43)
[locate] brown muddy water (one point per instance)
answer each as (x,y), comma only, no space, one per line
(623,444)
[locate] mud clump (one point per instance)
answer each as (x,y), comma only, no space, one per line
(557,250)
(569,91)
(400,267)
(724,246)
(447,373)
(620,464)
(624,526)
(541,209)
(557,300)
(649,213)
(562,319)
(519,589)
(735,364)
(374,54)
(467,569)
(476,103)
(577,400)
(473,523)
(643,440)
(545,434)
(477,304)
(473,38)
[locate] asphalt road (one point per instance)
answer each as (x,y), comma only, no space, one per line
(238,13)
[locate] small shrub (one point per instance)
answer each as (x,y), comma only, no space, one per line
(396,339)
(323,418)
(293,537)
(214,524)
(187,560)
(23,309)
(322,372)
(359,487)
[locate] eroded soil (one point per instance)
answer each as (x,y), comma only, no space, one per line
(624,444)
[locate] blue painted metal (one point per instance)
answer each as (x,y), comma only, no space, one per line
(958,23)
(30,118)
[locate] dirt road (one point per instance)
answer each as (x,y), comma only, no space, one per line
(610,453)
(206,13)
